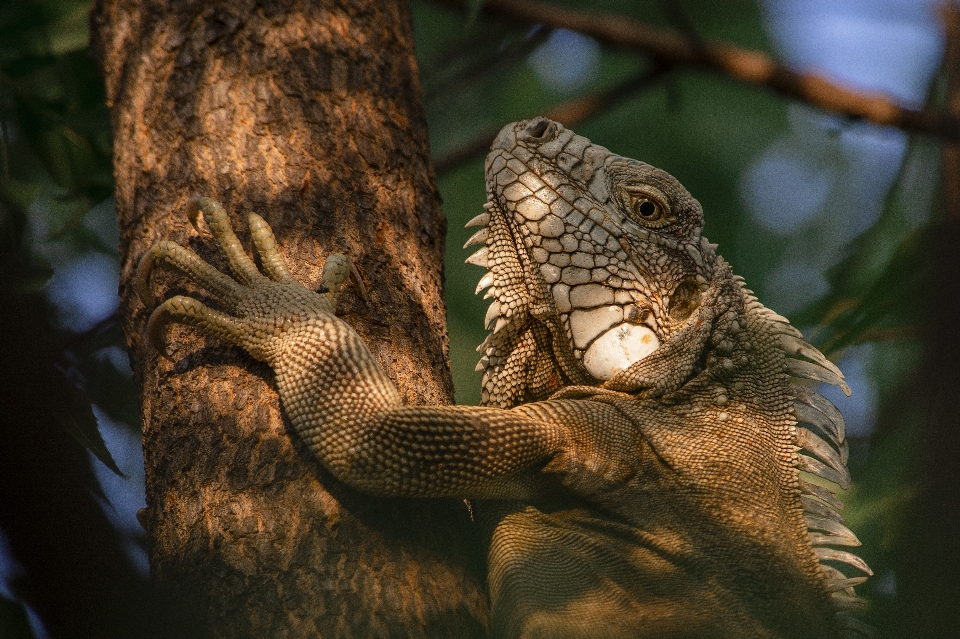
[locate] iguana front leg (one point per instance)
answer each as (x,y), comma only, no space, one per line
(336,395)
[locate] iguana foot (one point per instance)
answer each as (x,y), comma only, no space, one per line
(260,309)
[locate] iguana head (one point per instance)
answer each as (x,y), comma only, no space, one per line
(594,260)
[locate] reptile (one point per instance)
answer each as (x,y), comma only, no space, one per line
(650,458)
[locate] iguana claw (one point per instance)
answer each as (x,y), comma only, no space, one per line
(258,307)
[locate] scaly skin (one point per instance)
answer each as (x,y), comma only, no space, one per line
(661,500)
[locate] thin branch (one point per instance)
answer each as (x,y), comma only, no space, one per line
(4,144)
(681,20)
(895,334)
(447,77)
(746,65)
(950,15)
(569,113)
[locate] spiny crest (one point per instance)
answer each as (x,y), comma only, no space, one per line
(509,347)
(822,455)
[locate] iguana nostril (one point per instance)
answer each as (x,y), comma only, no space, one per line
(539,130)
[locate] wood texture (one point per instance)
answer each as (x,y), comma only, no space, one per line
(310,114)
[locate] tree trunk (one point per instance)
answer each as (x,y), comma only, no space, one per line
(310,114)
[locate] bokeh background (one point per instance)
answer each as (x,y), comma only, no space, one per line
(828,219)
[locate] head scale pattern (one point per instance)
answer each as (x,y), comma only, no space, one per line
(594,260)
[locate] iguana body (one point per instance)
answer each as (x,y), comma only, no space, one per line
(635,461)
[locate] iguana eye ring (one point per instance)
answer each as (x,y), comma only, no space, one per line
(647,209)
(646,204)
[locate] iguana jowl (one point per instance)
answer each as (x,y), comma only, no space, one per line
(638,456)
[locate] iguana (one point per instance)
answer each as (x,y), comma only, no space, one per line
(649,459)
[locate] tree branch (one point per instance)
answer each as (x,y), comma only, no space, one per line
(746,65)
(569,113)
(447,78)
(951,152)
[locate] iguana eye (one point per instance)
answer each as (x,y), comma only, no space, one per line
(646,204)
(647,209)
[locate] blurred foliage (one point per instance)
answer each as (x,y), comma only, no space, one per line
(55,167)
(14,623)
(55,158)
(55,206)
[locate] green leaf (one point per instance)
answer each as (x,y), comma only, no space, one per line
(71,32)
(14,622)
(473,10)
(81,424)
(19,194)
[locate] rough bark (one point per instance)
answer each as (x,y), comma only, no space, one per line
(310,114)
